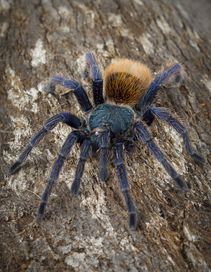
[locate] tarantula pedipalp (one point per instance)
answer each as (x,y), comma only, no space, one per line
(115,122)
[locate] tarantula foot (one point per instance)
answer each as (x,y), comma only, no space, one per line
(103,175)
(198,159)
(49,88)
(181,184)
(15,167)
(133,221)
(41,210)
(75,188)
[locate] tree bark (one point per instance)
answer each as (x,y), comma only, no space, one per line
(40,39)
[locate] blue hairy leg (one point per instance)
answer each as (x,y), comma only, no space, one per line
(97,80)
(148,117)
(77,89)
(63,154)
(160,80)
(117,119)
(65,117)
(85,147)
(104,144)
(145,137)
(123,180)
(164,115)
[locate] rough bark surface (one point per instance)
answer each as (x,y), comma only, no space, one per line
(39,39)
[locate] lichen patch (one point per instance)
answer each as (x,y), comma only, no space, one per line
(146,43)
(115,20)
(3,29)
(208,84)
(5,4)
(163,25)
(38,54)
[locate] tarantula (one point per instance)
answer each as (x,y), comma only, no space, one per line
(114,123)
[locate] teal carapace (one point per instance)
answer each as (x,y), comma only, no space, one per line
(117,118)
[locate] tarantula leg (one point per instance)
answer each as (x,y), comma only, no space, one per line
(56,169)
(97,80)
(163,78)
(145,137)
(104,143)
(123,180)
(80,167)
(164,115)
(77,89)
(64,117)
(148,117)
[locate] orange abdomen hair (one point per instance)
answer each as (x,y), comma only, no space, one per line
(126,81)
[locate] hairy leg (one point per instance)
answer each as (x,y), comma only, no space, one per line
(145,137)
(123,180)
(77,89)
(96,76)
(64,117)
(148,117)
(164,115)
(85,147)
(56,169)
(170,76)
(104,143)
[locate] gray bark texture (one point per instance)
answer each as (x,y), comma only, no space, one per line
(42,38)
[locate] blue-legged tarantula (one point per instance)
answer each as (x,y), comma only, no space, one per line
(115,122)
